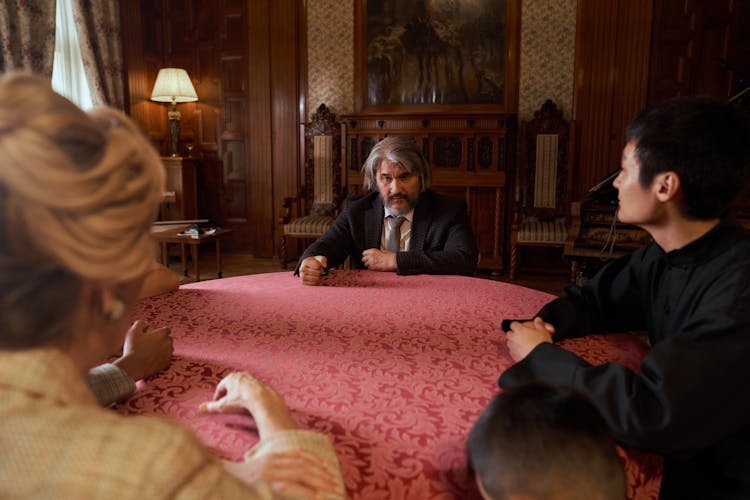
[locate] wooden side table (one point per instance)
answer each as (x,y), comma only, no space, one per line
(171,236)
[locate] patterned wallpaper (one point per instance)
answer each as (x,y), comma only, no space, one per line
(548,32)
(330,55)
(546,62)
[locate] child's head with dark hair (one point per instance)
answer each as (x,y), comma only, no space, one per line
(544,442)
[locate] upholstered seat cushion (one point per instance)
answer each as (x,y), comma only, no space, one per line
(536,231)
(310,226)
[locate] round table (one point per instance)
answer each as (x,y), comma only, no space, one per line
(395,369)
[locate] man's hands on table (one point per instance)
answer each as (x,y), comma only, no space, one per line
(379,260)
(523,337)
(312,269)
(295,472)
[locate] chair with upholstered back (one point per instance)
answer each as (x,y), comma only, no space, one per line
(308,215)
(541,212)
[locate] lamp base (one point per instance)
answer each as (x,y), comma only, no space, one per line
(174,128)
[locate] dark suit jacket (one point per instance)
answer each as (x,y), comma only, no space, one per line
(441,238)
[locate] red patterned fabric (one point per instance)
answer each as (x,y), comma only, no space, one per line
(395,369)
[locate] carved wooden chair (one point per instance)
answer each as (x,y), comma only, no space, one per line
(541,212)
(308,215)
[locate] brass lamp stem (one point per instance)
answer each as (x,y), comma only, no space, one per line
(174,126)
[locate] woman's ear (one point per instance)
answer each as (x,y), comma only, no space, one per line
(113,307)
(102,301)
(93,320)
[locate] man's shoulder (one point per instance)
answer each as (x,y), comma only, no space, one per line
(725,247)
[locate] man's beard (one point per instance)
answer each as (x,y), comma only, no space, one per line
(410,204)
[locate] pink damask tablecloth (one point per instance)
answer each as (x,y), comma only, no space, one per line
(395,369)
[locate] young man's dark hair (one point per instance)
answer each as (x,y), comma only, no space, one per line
(545,442)
(697,138)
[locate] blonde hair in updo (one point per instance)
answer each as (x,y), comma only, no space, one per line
(78,193)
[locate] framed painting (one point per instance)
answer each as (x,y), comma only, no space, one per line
(436,56)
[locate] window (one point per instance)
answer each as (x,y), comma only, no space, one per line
(68,76)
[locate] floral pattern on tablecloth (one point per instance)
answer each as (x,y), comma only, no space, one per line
(395,369)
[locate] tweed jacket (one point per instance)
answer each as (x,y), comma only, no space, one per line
(58,443)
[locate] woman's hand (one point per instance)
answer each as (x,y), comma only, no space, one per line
(296,472)
(240,392)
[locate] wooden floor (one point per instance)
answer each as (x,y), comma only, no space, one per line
(239,264)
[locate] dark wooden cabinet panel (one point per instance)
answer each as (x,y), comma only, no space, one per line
(697,48)
(182,188)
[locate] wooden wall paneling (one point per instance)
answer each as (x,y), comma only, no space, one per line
(143,47)
(512,54)
(632,59)
(671,40)
(739,49)
(233,34)
(712,31)
(205,76)
(697,48)
(284,55)
(611,71)
(180,33)
(207,111)
(596,36)
(259,127)
(150,16)
(233,124)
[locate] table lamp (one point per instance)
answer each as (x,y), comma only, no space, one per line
(173,85)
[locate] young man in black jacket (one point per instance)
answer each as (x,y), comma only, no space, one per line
(684,163)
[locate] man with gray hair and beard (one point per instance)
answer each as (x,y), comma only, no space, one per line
(401,225)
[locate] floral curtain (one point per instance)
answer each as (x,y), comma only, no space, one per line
(27,35)
(99,35)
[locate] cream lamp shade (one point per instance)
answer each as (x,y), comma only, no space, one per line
(173,85)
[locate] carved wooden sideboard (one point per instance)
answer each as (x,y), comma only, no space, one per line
(470,155)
